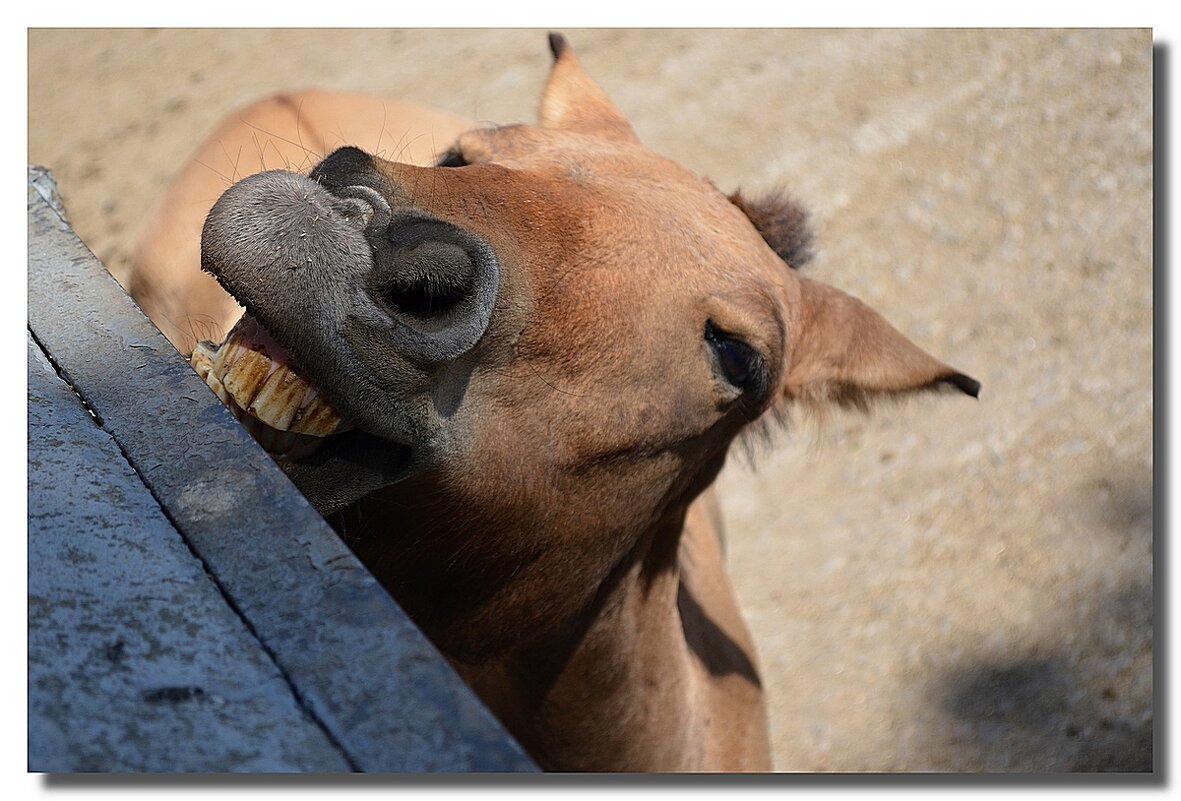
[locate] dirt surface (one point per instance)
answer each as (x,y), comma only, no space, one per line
(949,585)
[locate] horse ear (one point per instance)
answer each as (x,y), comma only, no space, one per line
(844,352)
(573,102)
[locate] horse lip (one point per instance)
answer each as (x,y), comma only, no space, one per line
(347,467)
(254,334)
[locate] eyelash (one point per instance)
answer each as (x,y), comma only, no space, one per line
(739,363)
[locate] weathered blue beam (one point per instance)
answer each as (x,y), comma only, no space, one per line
(136,662)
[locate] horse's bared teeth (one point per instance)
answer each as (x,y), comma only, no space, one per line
(225,354)
(277,401)
(316,418)
(204,352)
(272,398)
(245,376)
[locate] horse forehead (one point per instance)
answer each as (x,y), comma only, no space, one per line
(667,210)
(629,218)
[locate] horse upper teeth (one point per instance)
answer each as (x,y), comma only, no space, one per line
(278,399)
(271,393)
(246,375)
(204,352)
(316,418)
(203,359)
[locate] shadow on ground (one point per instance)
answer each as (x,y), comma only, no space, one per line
(1065,696)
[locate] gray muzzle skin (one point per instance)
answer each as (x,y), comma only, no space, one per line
(370,301)
(275,235)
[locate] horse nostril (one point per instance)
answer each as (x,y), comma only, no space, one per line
(436,282)
(428,280)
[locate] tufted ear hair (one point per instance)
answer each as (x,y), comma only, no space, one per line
(844,352)
(782,222)
(573,102)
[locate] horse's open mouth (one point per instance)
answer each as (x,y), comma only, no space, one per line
(266,390)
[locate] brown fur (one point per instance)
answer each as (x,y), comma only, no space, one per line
(563,548)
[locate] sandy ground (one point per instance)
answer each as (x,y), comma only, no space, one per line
(945,586)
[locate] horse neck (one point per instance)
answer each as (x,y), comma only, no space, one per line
(616,695)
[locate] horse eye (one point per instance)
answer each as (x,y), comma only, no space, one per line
(738,362)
